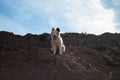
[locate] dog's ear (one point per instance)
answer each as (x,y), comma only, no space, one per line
(58,29)
(53,28)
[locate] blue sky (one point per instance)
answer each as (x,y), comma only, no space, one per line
(39,16)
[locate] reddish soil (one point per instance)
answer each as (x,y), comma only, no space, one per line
(87,57)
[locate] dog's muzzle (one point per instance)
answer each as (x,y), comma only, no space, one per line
(54,37)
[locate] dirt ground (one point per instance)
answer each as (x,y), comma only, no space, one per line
(87,57)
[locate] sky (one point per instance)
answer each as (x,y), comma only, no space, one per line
(39,16)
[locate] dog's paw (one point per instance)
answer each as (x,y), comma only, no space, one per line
(51,49)
(54,53)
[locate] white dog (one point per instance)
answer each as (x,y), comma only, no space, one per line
(57,41)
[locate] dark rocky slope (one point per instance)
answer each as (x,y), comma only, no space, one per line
(87,57)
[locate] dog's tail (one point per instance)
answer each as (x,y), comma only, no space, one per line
(63,48)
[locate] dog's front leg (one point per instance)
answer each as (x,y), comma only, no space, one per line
(54,49)
(60,50)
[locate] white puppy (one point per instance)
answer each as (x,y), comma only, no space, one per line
(57,41)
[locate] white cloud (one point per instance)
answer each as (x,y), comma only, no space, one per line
(76,15)
(91,17)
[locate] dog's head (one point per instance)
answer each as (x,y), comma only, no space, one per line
(55,33)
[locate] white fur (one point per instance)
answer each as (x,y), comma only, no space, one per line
(52,38)
(57,41)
